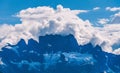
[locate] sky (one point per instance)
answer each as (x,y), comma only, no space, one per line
(94,21)
(96,14)
(30,19)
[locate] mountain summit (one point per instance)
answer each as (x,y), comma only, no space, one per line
(57,54)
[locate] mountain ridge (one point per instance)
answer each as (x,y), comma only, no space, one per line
(57,54)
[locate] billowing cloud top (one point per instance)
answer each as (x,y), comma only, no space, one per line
(41,21)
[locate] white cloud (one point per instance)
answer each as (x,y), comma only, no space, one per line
(96,8)
(117,51)
(109,34)
(112,19)
(44,20)
(103,21)
(117,14)
(115,18)
(113,8)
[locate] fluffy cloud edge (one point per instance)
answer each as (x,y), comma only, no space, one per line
(41,21)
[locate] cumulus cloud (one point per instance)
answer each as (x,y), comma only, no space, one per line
(96,8)
(109,34)
(40,21)
(103,21)
(113,8)
(44,20)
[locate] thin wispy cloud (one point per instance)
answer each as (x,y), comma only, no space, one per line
(113,8)
(96,8)
(103,21)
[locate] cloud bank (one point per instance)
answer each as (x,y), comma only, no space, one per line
(41,21)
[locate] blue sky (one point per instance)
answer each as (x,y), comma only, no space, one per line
(39,21)
(8,8)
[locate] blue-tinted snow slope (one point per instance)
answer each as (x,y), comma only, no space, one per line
(57,54)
